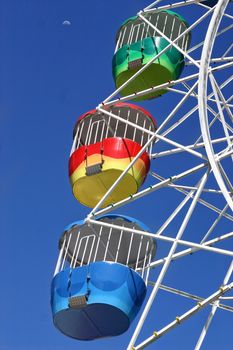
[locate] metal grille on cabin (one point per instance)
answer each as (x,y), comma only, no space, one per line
(169,24)
(94,128)
(83,245)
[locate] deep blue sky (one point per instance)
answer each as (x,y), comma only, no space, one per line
(51,74)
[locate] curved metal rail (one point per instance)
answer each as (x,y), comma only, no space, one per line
(202,95)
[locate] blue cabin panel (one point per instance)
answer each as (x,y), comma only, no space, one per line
(111,295)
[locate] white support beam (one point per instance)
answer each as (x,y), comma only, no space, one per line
(189,251)
(202,92)
(194,297)
(180,319)
(213,311)
(164,238)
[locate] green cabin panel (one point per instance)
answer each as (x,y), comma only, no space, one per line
(167,67)
(140,45)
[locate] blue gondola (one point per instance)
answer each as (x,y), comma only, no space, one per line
(100,280)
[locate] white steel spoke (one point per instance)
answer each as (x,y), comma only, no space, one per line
(179,150)
(149,7)
(214,60)
(202,4)
(146,91)
(164,238)
(223,155)
(110,101)
(226,178)
(226,298)
(182,119)
(173,43)
(227,51)
(206,204)
(222,119)
(180,319)
(183,187)
(213,311)
(167,263)
(192,250)
(216,221)
(193,297)
(216,116)
(148,190)
(207,50)
(169,6)
(173,112)
(224,103)
(176,144)
(175,212)
(224,30)
(217,91)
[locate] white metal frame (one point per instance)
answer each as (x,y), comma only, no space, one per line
(207,164)
(86,251)
(205,71)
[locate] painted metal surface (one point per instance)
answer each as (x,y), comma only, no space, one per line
(113,292)
(141,45)
(114,154)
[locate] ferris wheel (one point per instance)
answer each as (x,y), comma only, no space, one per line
(175,60)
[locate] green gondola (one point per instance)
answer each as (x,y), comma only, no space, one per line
(138,43)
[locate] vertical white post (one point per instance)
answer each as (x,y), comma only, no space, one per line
(167,263)
(145,259)
(58,265)
(118,247)
(92,246)
(139,251)
(109,237)
(66,252)
(75,248)
(98,242)
(213,310)
(130,245)
(148,269)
